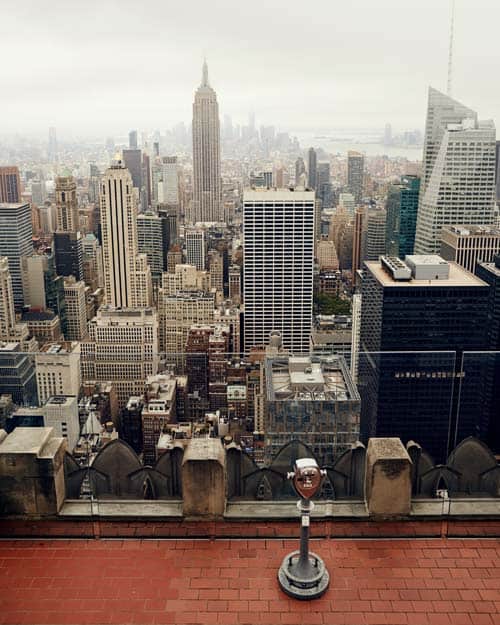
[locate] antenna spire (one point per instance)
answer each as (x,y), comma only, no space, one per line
(450,53)
(204,76)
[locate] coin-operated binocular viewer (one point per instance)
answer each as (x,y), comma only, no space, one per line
(303,575)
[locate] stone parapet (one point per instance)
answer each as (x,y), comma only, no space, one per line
(32,472)
(387,478)
(204,478)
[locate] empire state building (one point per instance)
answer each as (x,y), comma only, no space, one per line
(207,186)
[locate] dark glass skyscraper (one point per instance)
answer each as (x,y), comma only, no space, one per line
(401,207)
(68,253)
(417,319)
(490,273)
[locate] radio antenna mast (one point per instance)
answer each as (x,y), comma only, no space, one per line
(450,52)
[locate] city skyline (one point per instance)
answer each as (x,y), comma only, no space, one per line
(344,85)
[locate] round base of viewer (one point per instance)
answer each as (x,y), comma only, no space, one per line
(303,584)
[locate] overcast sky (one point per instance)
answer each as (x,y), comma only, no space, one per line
(101,67)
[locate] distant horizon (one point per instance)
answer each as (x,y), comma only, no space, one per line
(68,136)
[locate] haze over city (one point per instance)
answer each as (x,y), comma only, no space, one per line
(96,68)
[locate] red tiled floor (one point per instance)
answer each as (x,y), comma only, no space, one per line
(233,582)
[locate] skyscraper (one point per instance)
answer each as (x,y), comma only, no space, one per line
(76,310)
(375,234)
(93,273)
(459,171)
(417,318)
(169,181)
(300,170)
(323,186)
(66,204)
(358,239)
(151,241)
(16,241)
(68,252)
(311,168)
(133,162)
(43,288)
(126,274)
(401,208)
(195,248)
(10,185)
(278,266)
(355,174)
(490,361)
(132,140)
(7,314)
(207,186)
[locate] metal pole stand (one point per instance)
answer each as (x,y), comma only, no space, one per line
(302,574)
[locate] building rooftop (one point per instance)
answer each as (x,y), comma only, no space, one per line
(277,195)
(217,582)
(61,400)
(305,379)
(13,204)
(493,267)
(59,347)
(472,230)
(38,315)
(9,347)
(124,313)
(457,277)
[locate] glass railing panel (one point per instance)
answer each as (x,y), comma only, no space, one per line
(134,412)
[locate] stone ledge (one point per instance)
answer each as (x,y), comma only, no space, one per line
(421,509)
(288,510)
(129,509)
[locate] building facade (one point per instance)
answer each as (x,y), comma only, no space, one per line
(312,161)
(61,413)
(122,348)
(151,241)
(375,233)
(470,245)
(355,174)
(401,208)
(127,278)
(177,313)
(10,185)
(57,368)
(312,400)
(17,374)
(207,184)
(490,361)
(68,252)
(417,319)
(76,309)
(66,204)
(278,266)
(7,312)
(459,171)
(16,241)
(195,248)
